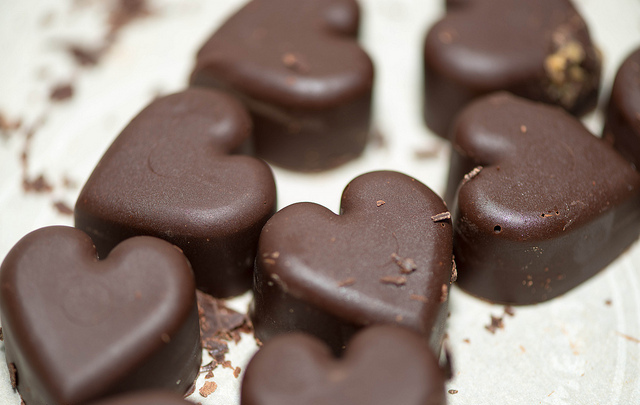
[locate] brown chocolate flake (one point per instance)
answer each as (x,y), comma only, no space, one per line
(191,390)
(295,62)
(496,323)
(394,280)
(420,298)
(209,375)
(473,173)
(13,375)
(208,388)
(61,92)
(37,185)
(236,372)
(63,208)
(380,203)
(444,293)
(347,282)
(83,55)
(454,271)
(407,265)
(508,310)
(443,216)
(452,392)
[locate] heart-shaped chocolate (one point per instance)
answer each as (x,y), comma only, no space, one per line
(77,329)
(171,174)
(537,49)
(381,365)
(622,127)
(145,398)
(385,259)
(547,206)
(298,68)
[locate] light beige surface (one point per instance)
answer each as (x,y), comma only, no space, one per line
(575,349)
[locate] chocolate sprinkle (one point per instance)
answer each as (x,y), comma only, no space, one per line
(473,173)
(380,203)
(443,216)
(395,280)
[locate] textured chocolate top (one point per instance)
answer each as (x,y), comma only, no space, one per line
(504,44)
(77,329)
(292,53)
(382,365)
(170,174)
(384,259)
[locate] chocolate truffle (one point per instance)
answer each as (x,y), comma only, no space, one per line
(536,49)
(298,68)
(145,398)
(381,365)
(547,206)
(173,173)
(386,259)
(77,329)
(622,125)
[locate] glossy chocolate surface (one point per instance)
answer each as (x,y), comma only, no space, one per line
(77,329)
(145,398)
(172,173)
(551,205)
(383,260)
(297,66)
(537,49)
(622,126)
(381,365)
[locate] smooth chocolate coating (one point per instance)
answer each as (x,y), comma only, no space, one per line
(77,329)
(171,174)
(622,125)
(537,49)
(298,68)
(383,260)
(381,365)
(551,206)
(145,398)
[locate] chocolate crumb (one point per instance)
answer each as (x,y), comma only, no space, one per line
(347,282)
(629,338)
(295,62)
(454,271)
(420,298)
(608,303)
(508,310)
(407,265)
(191,390)
(452,392)
(496,323)
(443,216)
(473,173)
(380,203)
(13,375)
(395,280)
(61,92)
(84,56)
(63,208)
(37,185)
(445,293)
(236,372)
(209,375)
(208,388)
(523,129)
(467,340)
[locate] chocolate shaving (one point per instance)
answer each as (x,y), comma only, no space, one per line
(347,282)
(395,280)
(380,203)
(407,265)
(236,372)
(61,92)
(420,298)
(208,388)
(452,392)
(496,323)
(63,208)
(13,375)
(209,375)
(454,271)
(443,216)
(473,173)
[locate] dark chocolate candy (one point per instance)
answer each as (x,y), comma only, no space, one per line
(622,126)
(381,365)
(171,174)
(298,68)
(385,259)
(547,206)
(145,398)
(537,49)
(77,329)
